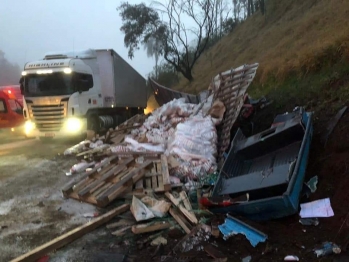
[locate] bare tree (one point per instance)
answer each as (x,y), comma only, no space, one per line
(177,49)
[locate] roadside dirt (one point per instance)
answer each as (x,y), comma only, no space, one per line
(32,209)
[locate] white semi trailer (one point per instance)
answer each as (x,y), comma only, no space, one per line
(67,93)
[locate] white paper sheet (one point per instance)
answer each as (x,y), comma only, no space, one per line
(318,208)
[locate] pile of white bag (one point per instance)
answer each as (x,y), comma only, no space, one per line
(180,130)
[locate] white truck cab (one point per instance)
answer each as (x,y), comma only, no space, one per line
(67,93)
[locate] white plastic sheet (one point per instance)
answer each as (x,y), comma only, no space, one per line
(318,208)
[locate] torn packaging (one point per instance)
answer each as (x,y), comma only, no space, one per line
(140,211)
(158,207)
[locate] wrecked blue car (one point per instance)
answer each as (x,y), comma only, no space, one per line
(268,167)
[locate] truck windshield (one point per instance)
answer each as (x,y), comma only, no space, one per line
(56,84)
(48,84)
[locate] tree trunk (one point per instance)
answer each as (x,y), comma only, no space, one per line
(188,75)
(249,8)
(156,67)
(262,6)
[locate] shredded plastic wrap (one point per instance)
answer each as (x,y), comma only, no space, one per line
(83,145)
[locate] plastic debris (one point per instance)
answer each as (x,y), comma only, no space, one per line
(140,211)
(291,258)
(327,249)
(159,241)
(83,145)
(96,144)
(80,167)
(247,259)
(91,214)
(312,183)
(174,180)
(233,226)
(318,208)
(309,221)
(158,207)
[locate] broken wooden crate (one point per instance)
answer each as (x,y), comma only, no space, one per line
(117,177)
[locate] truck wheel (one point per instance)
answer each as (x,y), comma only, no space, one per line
(93,123)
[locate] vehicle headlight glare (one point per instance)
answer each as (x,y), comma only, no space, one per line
(67,70)
(73,124)
(28,127)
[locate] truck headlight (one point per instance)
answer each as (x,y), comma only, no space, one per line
(73,124)
(29,126)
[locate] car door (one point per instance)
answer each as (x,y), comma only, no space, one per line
(4,114)
(16,114)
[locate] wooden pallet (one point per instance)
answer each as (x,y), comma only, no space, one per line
(101,186)
(157,180)
(119,178)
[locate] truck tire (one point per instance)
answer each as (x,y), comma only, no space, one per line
(93,123)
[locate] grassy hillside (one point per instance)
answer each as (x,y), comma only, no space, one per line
(293,40)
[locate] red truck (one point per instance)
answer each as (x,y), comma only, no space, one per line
(14,92)
(11,114)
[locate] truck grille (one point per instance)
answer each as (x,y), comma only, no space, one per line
(47,117)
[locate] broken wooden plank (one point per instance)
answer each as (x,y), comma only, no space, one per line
(186,202)
(139,186)
(121,231)
(122,222)
(192,218)
(115,170)
(148,183)
(180,220)
(70,236)
(165,173)
(161,183)
(150,227)
(154,182)
(68,187)
(151,174)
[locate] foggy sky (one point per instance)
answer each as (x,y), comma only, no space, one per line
(30,28)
